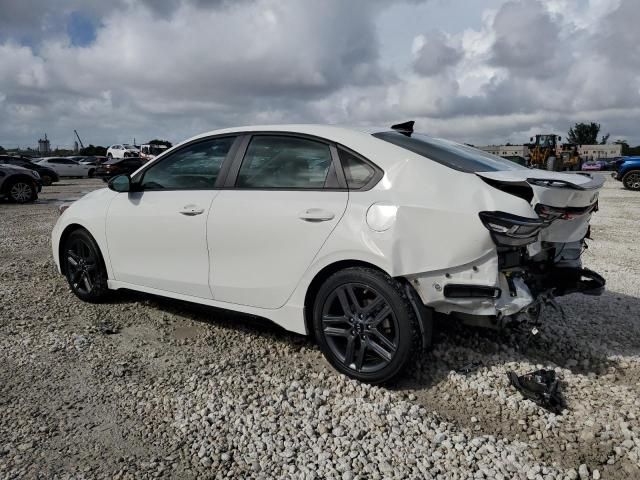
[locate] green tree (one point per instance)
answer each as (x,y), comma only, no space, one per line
(157,141)
(2,150)
(585,134)
(605,139)
(92,150)
(625,145)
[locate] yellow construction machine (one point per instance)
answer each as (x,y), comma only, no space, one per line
(548,153)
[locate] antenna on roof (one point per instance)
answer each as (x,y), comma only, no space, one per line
(405,128)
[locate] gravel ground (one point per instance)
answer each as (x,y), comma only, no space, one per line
(148,387)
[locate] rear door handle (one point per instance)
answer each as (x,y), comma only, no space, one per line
(316,215)
(191,210)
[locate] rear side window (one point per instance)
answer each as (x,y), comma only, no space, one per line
(194,167)
(454,155)
(357,172)
(284,162)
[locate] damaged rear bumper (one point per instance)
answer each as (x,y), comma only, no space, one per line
(501,286)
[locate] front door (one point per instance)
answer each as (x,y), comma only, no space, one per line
(157,237)
(265,232)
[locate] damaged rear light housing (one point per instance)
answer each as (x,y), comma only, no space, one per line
(511,230)
(549,213)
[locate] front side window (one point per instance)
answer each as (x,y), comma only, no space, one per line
(284,162)
(194,167)
(357,172)
(453,155)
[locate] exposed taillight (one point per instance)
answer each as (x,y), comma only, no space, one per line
(549,214)
(509,229)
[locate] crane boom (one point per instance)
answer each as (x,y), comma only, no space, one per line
(81,144)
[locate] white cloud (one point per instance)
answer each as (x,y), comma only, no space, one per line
(176,67)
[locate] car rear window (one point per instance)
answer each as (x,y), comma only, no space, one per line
(451,154)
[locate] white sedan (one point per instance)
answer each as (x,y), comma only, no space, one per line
(122,150)
(66,167)
(354,237)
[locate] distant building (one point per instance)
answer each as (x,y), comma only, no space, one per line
(507,150)
(44,146)
(593,152)
(587,152)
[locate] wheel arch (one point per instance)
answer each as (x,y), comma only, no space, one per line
(68,230)
(326,272)
(15,178)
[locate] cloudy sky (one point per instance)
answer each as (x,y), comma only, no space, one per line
(479,71)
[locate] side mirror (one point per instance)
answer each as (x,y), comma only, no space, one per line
(559,138)
(531,139)
(120,183)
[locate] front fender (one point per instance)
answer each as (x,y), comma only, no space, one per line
(90,213)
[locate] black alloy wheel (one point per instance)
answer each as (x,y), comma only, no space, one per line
(631,180)
(365,324)
(84,268)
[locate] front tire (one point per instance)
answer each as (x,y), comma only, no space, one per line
(552,164)
(364,324)
(21,191)
(91,173)
(631,180)
(46,180)
(84,267)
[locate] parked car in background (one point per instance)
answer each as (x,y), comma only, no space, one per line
(18,184)
(616,162)
(595,165)
(118,166)
(65,167)
(354,237)
(47,175)
(122,151)
(629,173)
(149,152)
(93,160)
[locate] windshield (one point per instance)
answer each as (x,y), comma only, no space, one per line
(451,154)
(130,146)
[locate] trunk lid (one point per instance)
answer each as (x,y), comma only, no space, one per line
(554,189)
(574,194)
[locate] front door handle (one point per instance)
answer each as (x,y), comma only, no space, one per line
(316,215)
(191,210)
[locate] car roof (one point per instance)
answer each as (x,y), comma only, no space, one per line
(330,132)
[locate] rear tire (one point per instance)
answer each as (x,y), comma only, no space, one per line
(552,164)
(21,191)
(631,180)
(84,267)
(91,173)
(365,325)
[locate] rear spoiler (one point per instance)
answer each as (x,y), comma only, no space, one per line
(595,183)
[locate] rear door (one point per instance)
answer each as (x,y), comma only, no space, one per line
(63,166)
(157,236)
(283,199)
